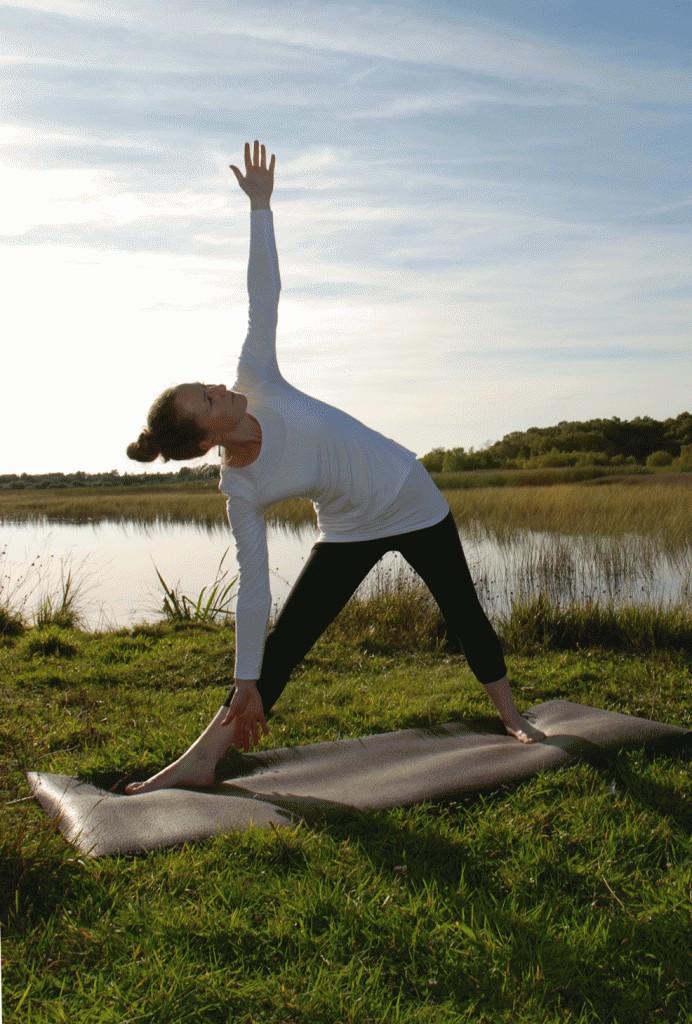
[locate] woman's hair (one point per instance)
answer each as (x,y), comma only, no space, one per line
(167,433)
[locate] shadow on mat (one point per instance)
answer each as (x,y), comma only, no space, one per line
(609,763)
(236,764)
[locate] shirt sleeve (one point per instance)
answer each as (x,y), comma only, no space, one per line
(253,604)
(257,364)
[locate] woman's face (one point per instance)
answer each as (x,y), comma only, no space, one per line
(213,407)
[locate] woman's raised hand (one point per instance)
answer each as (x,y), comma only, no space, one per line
(258,182)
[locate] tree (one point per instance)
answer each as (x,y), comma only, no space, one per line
(433,460)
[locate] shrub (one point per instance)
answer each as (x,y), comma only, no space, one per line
(555,459)
(684,459)
(11,624)
(659,459)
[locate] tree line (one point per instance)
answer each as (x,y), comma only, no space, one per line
(642,441)
(56,481)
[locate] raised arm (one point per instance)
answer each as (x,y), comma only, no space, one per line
(257,364)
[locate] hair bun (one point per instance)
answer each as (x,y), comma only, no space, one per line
(144,449)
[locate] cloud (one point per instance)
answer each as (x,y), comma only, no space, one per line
(484,216)
(480,45)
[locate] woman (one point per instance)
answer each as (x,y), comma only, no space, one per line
(370,494)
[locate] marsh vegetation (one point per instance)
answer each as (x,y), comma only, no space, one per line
(563,898)
(573,544)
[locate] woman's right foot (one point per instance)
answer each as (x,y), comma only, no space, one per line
(186,771)
(196,766)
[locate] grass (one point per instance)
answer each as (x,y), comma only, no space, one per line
(566,897)
(57,605)
(651,505)
(652,510)
(547,477)
(211,604)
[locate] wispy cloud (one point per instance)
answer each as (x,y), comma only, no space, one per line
(481,221)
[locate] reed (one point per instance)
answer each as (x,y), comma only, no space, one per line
(647,505)
(395,613)
(618,510)
(540,624)
(610,564)
(406,619)
(580,570)
(545,477)
(63,609)
(59,602)
(211,604)
(544,606)
(195,502)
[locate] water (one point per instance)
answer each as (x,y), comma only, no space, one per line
(116,563)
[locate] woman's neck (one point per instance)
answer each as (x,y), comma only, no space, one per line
(247,431)
(244,446)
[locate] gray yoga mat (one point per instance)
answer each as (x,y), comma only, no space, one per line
(276,787)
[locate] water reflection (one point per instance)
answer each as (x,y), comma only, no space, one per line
(116,563)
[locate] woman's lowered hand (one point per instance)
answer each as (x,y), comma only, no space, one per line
(258,182)
(247,712)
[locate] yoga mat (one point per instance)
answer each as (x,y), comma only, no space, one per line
(97,822)
(276,787)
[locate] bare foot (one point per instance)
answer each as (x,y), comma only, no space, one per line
(523,730)
(197,764)
(186,771)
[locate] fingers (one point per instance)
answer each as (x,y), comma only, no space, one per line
(251,732)
(256,160)
(246,711)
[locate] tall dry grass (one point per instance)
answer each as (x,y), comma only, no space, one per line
(656,510)
(193,503)
(644,506)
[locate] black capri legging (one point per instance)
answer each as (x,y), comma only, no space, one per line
(333,573)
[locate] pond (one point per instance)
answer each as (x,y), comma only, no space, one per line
(115,566)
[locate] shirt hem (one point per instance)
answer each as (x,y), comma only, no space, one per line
(325,538)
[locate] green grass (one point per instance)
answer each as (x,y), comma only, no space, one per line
(211,604)
(547,477)
(566,897)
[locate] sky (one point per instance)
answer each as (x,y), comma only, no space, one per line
(482,212)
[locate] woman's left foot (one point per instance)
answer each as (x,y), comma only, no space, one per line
(523,730)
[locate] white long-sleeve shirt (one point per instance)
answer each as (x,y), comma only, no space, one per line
(354,476)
